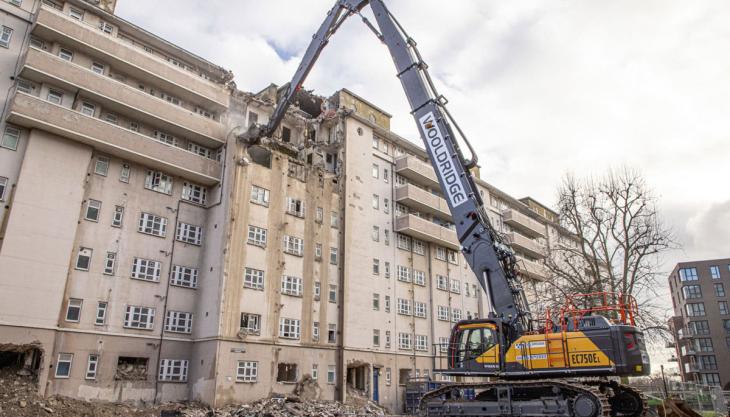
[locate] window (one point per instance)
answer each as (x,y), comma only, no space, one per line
(293,245)
(387,269)
(146,269)
(419,309)
(175,370)
(184,276)
(443,344)
(11,137)
(419,278)
(475,292)
(376,171)
(376,302)
(708,362)
(106,27)
(388,376)
(139,317)
(688,274)
(109,263)
(375,234)
(691,291)
(376,266)
(253,278)
(189,233)
(118,216)
(386,177)
(405,341)
(315,371)
(404,307)
(319,215)
(404,274)
(715,272)
(25,86)
(704,344)
(134,126)
(247,371)
(97,68)
(317,290)
(376,337)
(295,207)
(333,256)
(158,181)
(83,260)
(699,327)
(332,333)
(5,37)
(291,285)
(333,293)
(101,166)
(3,187)
(442,282)
(452,257)
(289,328)
(400,180)
(455,286)
(73,310)
(719,290)
(259,195)
(331,374)
(111,118)
(88,109)
(251,323)
(317,251)
(400,209)
(455,314)
(375,143)
(421,343)
(101,307)
(418,247)
(466,289)
(723,307)
(63,365)
(93,208)
(710,379)
(386,237)
(257,236)
(443,313)
(315,331)
(92,363)
(387,339)
(334,220)
(152,224)
(194,193)
(386,206)
(285,134)
(200,150)
(65,54)
(404,242)
(55,97)
(376,202)
(179,322)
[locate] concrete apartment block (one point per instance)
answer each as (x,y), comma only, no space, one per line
(145,254)
(701,322)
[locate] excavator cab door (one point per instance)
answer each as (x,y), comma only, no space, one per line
(475,346)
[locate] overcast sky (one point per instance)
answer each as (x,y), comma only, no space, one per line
(541,88)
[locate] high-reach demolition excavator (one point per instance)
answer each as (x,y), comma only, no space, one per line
(564,366)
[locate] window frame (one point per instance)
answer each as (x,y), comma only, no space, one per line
(12,132)
(67,358)
(76,304)
(92,205)
(247,371)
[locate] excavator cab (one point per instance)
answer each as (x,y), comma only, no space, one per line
(475,347)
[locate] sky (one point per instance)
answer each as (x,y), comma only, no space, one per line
(541,88)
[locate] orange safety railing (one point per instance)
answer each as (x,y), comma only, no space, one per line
(617,307)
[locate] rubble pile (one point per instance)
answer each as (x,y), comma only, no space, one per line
(291,406)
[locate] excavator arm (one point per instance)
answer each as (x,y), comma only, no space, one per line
(492,261)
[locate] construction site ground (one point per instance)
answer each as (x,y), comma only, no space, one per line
(19,398)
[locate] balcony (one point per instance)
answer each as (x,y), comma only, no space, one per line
(685,334)
(524,224)
(32,112)
(522,244)
(121,98)
(423,201)
(532,269)
(419,228)
(56,26)
(417,171)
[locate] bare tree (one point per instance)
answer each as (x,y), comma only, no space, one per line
(618,239)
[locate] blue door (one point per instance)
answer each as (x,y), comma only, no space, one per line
(376,389)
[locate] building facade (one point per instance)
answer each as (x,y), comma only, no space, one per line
(145,254)
(701,322)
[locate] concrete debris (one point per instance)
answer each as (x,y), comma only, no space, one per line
(19,398)
(307,388)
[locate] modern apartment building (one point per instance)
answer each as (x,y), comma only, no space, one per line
(701,322)
(145,254)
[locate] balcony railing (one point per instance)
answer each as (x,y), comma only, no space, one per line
(33,112)
(422,200)
(526,225)
(419,228)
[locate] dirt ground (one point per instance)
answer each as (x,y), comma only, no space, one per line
(18,398)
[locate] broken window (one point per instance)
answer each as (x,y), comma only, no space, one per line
(251,323)
(131,369)
(84,259)
(296,170)
(285,134)
(295,206)
(158,181)
(259,195)
(252,118)
(289,328)
(332,333)
(260,155)
(286,372)
(403,376)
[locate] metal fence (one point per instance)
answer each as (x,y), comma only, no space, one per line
(705,399)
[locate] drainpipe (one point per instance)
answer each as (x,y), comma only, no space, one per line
(340,368)
(432,325)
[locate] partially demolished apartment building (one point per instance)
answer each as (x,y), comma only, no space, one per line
(145,254)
